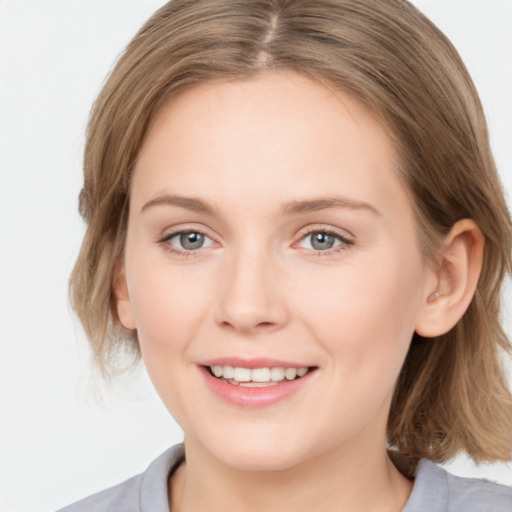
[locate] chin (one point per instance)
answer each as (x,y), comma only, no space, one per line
(262,454)
(256,460)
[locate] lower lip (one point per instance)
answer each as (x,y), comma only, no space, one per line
(243,396)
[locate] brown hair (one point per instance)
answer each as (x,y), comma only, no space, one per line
(452,393)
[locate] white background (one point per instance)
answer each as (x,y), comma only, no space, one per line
(58,440)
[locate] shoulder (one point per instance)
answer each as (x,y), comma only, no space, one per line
(436,489)
(146,492)
(470,494)
(122,497)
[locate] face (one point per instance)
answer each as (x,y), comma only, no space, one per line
(269,234)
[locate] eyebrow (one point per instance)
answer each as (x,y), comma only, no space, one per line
(324,203)
(291,208)
(189,203)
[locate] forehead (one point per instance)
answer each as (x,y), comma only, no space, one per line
(283,105)
(242,138)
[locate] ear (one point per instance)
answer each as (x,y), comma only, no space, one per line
(456,279)
(122,299)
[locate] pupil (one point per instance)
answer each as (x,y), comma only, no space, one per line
(322,241)
(191,241)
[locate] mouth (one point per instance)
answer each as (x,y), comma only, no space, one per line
(256,382)
(257,377)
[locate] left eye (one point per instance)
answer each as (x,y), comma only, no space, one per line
(322,240)
(189,240)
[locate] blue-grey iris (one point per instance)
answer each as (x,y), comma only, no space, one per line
(322,241)
(191,241)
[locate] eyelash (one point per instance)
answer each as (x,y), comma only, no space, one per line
(173,250)
(343,246)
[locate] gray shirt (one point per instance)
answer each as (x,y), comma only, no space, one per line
(435,490)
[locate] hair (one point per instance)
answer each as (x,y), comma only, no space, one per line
(452,392)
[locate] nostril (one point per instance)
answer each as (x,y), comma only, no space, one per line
(240,326)
(228,325)
(265,324)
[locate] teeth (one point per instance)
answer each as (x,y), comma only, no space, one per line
(260,375)
(257,377)
(277,374)
(255,384)
(242,374)
(228,372)
(302,371)
(290,373)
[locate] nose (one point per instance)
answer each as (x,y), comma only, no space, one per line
(252,295)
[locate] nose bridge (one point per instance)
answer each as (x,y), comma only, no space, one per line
(250,297)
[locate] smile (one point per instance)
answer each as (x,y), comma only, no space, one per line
(255,383)
(257,377)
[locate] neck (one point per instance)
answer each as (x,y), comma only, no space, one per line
(341,479)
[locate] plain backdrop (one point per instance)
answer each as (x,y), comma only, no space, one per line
(62,436)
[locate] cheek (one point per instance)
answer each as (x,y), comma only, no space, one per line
(168,306)
(365,315)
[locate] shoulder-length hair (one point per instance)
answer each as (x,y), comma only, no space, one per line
(452,392)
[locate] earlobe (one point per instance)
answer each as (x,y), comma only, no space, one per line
(457,275)
(122,299)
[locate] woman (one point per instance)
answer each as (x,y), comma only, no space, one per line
(295,219)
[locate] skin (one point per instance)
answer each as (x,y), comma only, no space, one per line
(258,288)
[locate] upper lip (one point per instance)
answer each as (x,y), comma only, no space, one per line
(258,362)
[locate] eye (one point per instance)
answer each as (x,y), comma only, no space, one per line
(186,241)
(323,241)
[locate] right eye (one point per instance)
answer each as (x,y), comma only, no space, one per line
(325,241)
(187,241)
